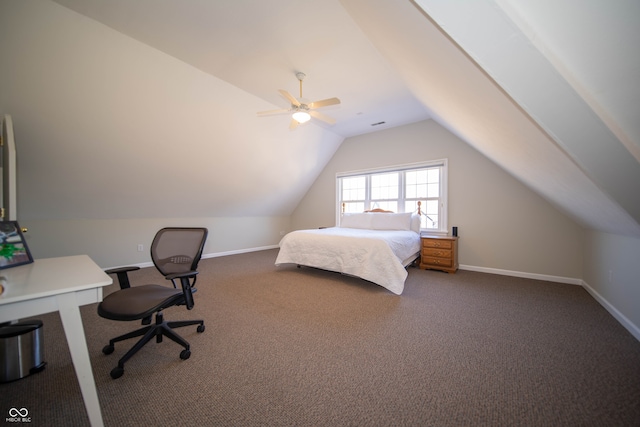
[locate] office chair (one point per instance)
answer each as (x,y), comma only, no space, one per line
(175,252)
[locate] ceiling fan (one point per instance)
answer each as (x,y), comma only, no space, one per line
(302,109)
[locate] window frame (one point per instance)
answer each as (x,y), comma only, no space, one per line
(441,164)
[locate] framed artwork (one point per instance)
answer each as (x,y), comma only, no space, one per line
(13,248)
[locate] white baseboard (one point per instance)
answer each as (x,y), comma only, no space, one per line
(546,277)
(239,251)
(624,321)
(621,318)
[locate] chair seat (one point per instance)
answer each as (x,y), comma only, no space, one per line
(138,302)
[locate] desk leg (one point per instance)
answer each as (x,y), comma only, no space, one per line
(72,323)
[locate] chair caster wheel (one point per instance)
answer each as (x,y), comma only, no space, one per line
(117,372)
(200,328)
(108,349)
(185,354)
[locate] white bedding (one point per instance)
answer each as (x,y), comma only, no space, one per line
(378,256)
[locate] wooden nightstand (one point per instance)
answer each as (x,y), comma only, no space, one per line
(439,253)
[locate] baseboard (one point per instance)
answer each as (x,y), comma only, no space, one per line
(621,318)
(546,277)
(239,251)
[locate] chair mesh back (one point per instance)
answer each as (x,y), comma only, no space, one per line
(176,250)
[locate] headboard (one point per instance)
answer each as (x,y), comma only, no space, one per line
(378,210)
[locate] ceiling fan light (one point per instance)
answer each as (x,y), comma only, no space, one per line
(301,116)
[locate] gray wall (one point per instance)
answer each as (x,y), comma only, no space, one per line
(114,242)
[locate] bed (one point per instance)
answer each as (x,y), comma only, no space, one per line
(376,246)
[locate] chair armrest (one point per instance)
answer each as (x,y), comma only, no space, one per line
(186,285)
(187,274)
(121,269)
(123,277)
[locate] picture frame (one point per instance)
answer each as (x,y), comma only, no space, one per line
(13,246)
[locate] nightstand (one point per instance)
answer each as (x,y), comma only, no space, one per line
(439,253)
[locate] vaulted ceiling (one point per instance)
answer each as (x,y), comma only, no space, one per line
(546,89)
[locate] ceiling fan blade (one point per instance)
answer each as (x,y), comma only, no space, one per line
(289,97)
(322,117)
(279,111)
(294,124)
(324,103)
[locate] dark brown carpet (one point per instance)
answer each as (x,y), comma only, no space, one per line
(285,346)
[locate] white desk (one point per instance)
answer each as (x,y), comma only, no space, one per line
(59,284)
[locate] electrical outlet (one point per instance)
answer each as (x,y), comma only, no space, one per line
(140,247)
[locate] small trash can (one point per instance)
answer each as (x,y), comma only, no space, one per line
(21,350)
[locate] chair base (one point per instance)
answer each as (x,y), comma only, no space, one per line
(159,329)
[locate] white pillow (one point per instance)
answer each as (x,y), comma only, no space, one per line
(415,222)
(356,220)
(391,221)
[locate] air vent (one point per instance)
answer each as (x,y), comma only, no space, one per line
(378,124)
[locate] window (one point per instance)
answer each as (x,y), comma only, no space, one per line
(398,189)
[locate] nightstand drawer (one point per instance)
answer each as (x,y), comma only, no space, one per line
(437,262)
(432,243)
(438,253)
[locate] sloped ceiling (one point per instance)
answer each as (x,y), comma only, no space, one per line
(548,90)
(258,46)
(535,52)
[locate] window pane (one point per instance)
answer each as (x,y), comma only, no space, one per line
(416,191)
(431,207)
(384,186)
(432,190)
(416,184)
(353,207)
(410,177)
(411,206)
(353,188)
(431,222)
(411,192)
(431,211)
(433,182)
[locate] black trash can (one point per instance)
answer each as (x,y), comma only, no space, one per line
(21,350)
